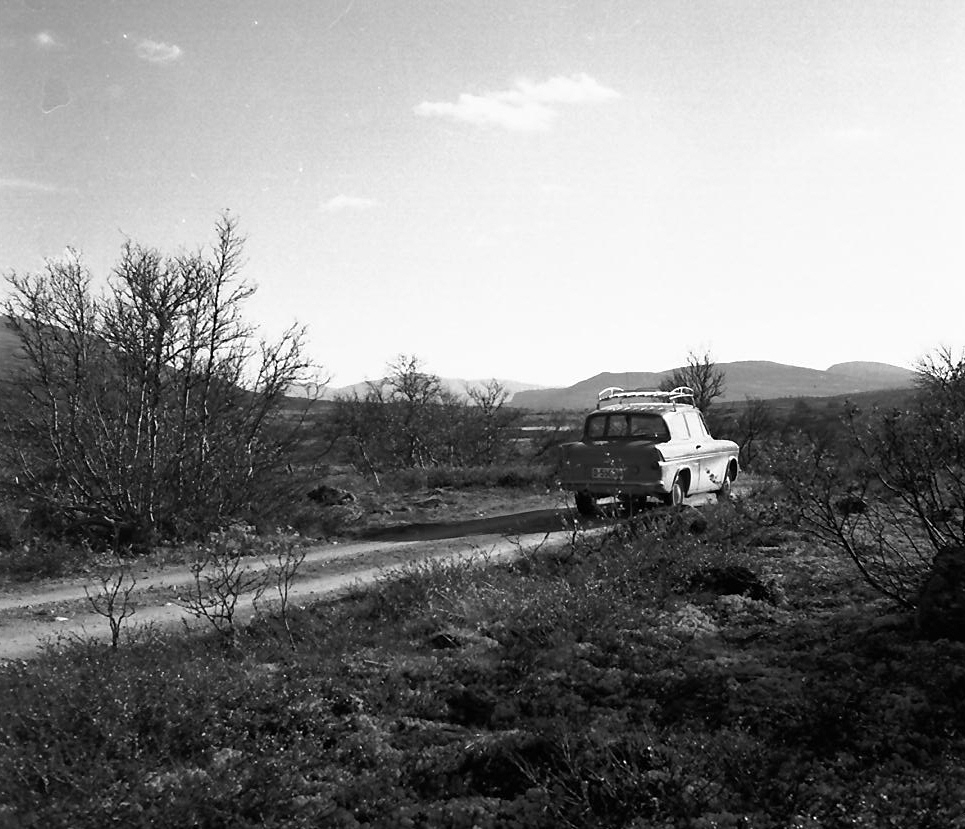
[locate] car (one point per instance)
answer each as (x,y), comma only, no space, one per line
(644,443)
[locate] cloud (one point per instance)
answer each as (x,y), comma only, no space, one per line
(56,94)
(154,52)
(483,110)
(45,40)
(526,107)
(342,203)
(28,185)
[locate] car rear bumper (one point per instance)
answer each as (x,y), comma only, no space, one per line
(600,489)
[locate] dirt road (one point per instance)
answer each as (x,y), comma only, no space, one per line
(61,610)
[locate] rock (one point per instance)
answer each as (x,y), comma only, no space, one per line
(731,581)
(941,600)
(434,502)
(445,640)
(331,496)
(452,637)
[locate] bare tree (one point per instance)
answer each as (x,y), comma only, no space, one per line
(288,559)
(114,600)
(410,420)
(700,374)
(493,417)
(221,579)
(150,408)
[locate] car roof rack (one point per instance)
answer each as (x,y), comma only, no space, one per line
(615,393)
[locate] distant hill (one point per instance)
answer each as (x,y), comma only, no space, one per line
(453,384)
(888,375)
(743,379)
(9,347)
(8,342)
(749,378)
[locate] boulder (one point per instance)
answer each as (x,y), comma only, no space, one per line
(330,496)
(434,502)
(732,580)
(941,599)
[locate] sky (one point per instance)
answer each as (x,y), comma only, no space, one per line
(535,190)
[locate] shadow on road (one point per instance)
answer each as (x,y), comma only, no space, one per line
(520,523)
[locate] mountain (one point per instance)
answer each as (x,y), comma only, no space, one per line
(743,379)
(748,378)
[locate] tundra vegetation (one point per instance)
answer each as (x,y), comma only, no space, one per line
(711,668)
(719,667)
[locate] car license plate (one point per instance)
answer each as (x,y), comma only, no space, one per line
(608,473)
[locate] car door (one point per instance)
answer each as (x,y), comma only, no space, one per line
(699,439)
(683,452)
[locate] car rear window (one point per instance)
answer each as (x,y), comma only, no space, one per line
(628,425)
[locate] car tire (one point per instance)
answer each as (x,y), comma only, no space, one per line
(675,498)
(726,488)
(586,504)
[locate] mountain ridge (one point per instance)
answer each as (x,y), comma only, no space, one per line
(765,379)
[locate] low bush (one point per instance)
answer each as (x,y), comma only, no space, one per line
(13,529)
(508,476)
(42,558)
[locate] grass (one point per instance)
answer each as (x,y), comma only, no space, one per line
(597,684)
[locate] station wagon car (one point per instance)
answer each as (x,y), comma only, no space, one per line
(643,443)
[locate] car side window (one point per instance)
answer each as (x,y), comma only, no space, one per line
(704,422)
(678,426)
(696,424)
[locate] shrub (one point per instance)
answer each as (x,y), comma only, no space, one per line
(890,494)
(149,411)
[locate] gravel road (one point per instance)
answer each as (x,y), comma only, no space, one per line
(30,619)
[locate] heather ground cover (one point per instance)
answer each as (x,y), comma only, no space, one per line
(611,681)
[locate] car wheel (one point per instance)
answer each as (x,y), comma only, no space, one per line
(586,504)
(724,493)
(675,497)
